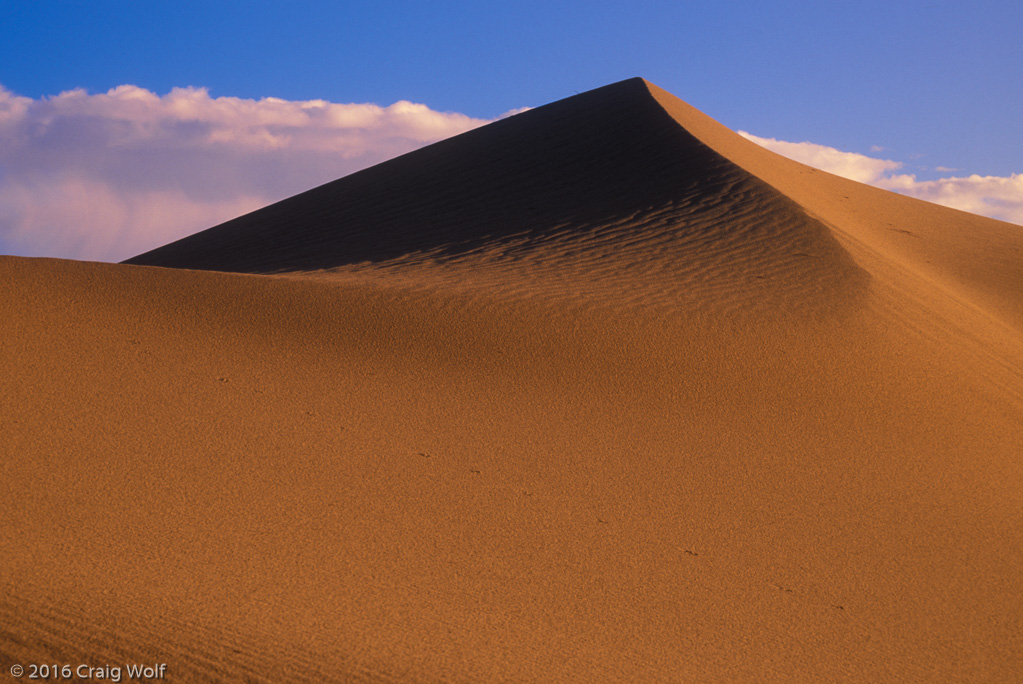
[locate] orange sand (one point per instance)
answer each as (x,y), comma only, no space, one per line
(600,392)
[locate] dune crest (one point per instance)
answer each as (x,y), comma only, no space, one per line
(599,392)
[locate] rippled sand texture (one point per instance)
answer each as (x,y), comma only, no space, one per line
(599,392)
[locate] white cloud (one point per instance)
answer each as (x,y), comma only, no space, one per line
(858,167)
(999,197)
(109,175)
(513,112)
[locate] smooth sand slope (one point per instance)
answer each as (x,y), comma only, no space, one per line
(600,392)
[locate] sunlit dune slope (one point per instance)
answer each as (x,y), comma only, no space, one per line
(963,254)
(600,392)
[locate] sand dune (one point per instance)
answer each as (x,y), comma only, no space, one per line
(599,392)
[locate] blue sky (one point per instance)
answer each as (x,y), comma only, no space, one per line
(926,84)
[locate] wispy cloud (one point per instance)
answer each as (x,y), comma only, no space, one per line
(106,176)
(999,197)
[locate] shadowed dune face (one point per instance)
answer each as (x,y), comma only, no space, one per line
(575,165)
(596,393)
(595,193)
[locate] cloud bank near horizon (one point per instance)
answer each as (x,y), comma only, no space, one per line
(999,197)
(106,176)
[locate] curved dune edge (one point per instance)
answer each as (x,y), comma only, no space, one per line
(966,255)
(577,455)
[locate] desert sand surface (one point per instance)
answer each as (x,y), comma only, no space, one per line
(598,392)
